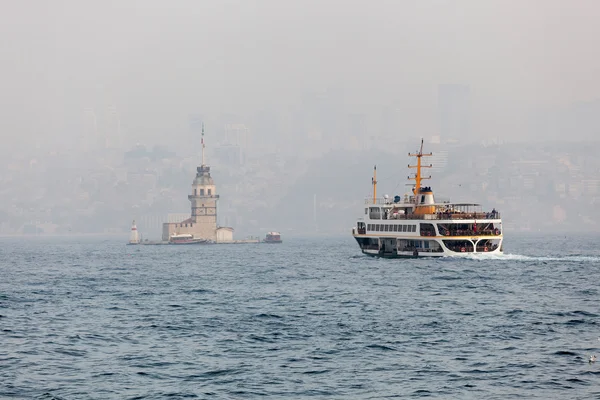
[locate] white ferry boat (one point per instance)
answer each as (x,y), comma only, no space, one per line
(417,226)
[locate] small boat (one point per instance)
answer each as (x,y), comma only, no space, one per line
(186,238)
(273,237)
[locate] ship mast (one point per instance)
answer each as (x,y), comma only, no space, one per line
(374,183)
(418,177)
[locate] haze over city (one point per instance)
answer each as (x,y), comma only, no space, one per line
(103,102)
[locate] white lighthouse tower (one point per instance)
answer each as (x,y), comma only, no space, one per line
(134,236)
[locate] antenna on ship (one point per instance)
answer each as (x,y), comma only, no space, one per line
(418,178)
(202,141)
(374,183)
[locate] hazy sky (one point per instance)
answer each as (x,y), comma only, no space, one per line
(158,61)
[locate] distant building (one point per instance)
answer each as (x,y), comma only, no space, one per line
(90,129)
(112,129)
(232,144)
(357,129)
(454,110)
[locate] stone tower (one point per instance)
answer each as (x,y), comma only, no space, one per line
(202,223)
(204,204)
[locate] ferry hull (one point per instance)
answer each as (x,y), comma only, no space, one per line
(387,247)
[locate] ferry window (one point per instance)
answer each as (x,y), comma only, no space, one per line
(414,228)
(368,227)
(426,244)
(374,213)
(423,199)
(403,228)
(366,209)
(209,192)
(395,228)
(376,227)
(387,227)
(201,192)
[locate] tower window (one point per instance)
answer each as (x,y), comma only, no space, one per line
(195,192)
(209,192)
(201,192)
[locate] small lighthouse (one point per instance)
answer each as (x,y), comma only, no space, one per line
(134,236)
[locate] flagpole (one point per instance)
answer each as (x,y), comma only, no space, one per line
(202,141)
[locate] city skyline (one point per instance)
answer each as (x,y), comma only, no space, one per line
(102,105)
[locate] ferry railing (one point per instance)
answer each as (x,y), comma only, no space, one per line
(380,201)
(445,216)
(207,196)
(470,232)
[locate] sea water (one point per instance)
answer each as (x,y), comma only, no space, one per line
(91,318)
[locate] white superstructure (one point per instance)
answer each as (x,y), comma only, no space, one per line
(417,226)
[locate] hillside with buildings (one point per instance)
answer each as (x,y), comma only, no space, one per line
(551,187)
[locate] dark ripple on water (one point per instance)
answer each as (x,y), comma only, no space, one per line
(305,319)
